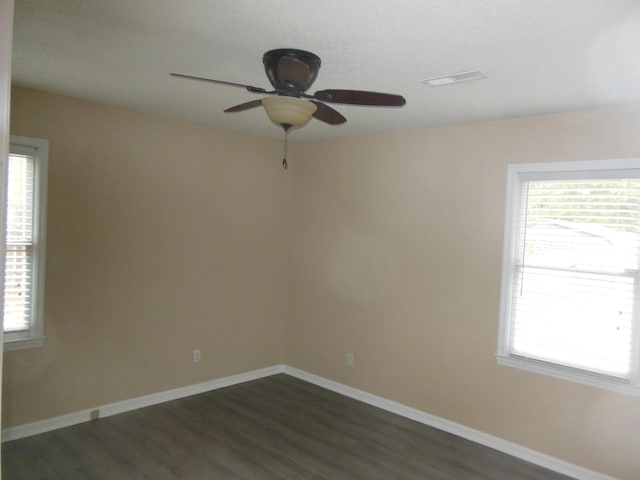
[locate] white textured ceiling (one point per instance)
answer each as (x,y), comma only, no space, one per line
(539,56)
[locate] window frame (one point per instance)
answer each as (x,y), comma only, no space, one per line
(34,336)
(516,175)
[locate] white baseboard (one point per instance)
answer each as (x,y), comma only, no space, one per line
(42,426)
(443,424)
(510,448)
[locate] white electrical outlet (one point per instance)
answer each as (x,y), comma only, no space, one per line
(196,356)
(350,359)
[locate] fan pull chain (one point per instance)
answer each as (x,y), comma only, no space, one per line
(285,164)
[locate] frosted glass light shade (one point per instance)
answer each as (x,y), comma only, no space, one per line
(291,111)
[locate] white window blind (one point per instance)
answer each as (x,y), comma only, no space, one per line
(19,239)
(25,242)
(571,274)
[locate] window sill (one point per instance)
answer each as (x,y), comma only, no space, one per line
(22,344)
(571,374)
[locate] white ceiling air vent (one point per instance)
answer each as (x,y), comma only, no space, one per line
(454,78)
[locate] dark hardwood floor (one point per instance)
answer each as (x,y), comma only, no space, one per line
(273,428)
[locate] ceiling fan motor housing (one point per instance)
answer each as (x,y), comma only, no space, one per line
(291,71)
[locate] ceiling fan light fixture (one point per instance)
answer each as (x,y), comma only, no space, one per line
(290,111)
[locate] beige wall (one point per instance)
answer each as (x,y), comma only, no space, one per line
(396,257)
(163,237)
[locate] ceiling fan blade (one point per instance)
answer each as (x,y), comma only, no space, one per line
(244,106)
(360,97)
(220,82)
(326,114)
(293,71)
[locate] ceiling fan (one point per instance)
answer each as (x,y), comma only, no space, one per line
(291,72)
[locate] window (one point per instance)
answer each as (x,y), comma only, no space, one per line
(25,239)
(570,281)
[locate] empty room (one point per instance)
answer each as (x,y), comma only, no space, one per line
(320,240)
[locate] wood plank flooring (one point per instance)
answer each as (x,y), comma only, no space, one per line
(277,427)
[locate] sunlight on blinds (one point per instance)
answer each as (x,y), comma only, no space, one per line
(576,274)
(19,237)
